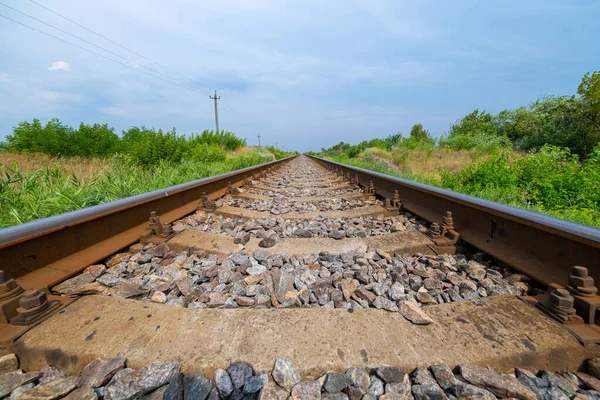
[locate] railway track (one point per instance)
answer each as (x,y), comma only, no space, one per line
(274,280)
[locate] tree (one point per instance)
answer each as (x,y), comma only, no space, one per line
(589,90)
(420,134)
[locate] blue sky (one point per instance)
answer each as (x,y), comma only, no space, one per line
(305,74)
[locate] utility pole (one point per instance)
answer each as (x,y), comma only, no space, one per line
(276,145)
(258,139)
(215,98)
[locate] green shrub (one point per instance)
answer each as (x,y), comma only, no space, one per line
(140,145)
(56,139)
(226,140)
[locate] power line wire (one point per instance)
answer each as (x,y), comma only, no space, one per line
(92,52)
(177,81)
(120,45)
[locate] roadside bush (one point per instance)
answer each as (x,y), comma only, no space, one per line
(140,145)
(227,140)
(148,147)
(206,153)
(549,180)
(57,139)
(479,141)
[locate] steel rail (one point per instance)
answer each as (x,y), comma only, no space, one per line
(46,251)
(542,247)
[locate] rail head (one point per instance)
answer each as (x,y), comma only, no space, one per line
(544,247)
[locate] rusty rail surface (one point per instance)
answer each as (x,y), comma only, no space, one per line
(545,248)
(51,249)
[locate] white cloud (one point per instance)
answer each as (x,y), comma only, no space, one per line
(60,66)
(4,78)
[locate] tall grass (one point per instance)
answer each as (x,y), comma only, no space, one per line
(29,195)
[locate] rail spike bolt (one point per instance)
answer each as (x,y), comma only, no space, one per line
(9,288)
(435,228)
(33,299)
(562,301)
(396,200)
(580,283)
(155,224)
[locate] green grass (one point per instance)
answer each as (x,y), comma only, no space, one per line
(26,196)
(550,181)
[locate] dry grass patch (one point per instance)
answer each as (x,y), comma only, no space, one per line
(84,168)
(426,163)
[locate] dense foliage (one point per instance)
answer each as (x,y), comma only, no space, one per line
(571,122)
(143,146)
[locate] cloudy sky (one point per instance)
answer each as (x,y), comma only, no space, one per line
(305,74)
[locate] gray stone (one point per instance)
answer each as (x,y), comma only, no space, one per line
(336,382)
(239,372)
(82,394)
(559,382)
(310,390)
(123,385)
(338,235)
(499,384)
(175,388)
(396,292)
(241,238)
(376,387)
(428,392)
(272,391)
(283,281)
(99,371)
(415,282)
(8,363)
(400,389)
(334,396)
(260,254)
(223,274)
(269,241)
(18,392)
(76,285)
(159,374)
(223,382)
(382,302)
(255,383)
(475,270)
(390,374)
(360,377)
(422,376)
(158,394)
(284,373)
(54,389)
(443,375)
(196,387)
(213,394)
(256,270)
(412,312)
(12,380)
(465,391)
